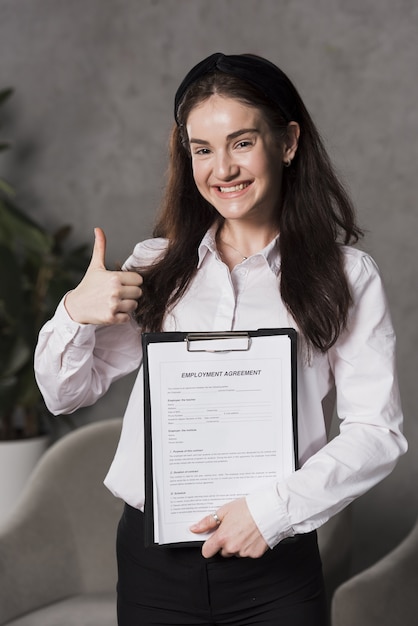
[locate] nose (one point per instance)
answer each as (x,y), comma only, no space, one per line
(225,168)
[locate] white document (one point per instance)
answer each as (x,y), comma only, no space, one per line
(222,426)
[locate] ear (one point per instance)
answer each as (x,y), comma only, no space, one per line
(291,142)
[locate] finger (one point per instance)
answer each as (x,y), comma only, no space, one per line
(227,555)
(211,546)
(130,293)
(99,249)
(120,318)
(205,524)
(126,306)
(132,278)
(120,313)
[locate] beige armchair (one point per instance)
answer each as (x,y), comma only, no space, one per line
(57,551)
(385,594)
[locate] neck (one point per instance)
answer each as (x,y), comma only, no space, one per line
(248,240)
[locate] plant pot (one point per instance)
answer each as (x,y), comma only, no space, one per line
(17,460)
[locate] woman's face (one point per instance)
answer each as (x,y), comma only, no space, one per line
(237,161)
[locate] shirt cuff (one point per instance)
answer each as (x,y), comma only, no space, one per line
(270,514)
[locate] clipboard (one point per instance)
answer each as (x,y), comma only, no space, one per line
(200,390)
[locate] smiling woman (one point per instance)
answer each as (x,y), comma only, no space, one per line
(253,233)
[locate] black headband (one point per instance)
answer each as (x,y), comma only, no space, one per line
(263,74)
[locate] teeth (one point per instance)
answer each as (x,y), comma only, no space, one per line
(239,187)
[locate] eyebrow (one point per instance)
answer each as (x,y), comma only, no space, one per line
(234,135)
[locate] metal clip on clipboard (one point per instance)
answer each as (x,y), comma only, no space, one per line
(228,341)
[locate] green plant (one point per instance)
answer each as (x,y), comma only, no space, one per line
(36,269)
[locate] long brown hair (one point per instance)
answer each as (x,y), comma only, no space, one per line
(315,217)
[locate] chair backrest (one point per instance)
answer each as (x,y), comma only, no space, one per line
(71,511)
(383,594)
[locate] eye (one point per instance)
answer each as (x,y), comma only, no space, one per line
(244,143)
(201,151)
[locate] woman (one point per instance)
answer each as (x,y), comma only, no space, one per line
(253,232)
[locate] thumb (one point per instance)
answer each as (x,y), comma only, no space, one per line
(99,249)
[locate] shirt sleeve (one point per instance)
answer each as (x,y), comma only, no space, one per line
(76,363)
(370,439)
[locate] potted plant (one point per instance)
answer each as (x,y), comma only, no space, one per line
(36,269)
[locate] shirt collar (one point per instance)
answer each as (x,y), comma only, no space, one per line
(270,252)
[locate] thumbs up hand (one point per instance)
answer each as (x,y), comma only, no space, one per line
(103,297)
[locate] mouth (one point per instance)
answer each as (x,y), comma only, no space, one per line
(234,188)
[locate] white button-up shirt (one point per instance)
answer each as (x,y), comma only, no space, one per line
(75,365)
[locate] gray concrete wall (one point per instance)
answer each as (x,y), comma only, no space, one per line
(94,84)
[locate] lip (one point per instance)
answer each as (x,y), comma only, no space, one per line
(232,190)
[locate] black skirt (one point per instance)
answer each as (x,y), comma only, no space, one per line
(178,586)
